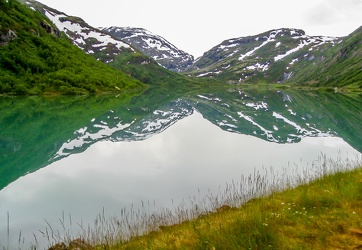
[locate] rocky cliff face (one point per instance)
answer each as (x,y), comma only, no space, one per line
(50,29)
(154,46)
(7,36)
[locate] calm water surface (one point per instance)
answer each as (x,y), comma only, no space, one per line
(125,155)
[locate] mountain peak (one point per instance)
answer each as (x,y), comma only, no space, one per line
(259,57)
(87,38)
(154,46)
(273,56)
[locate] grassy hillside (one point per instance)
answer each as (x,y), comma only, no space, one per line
(150,72)
(36,59)
(325,214)
(339,66)
(286,56)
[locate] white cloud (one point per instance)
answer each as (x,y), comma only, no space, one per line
(338,18)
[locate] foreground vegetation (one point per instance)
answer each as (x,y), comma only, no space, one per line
(289,213)
(323,215)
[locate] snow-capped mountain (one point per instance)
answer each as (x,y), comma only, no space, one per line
(272,56)
(154,46)
(104,44)
(279,55)
(93,41)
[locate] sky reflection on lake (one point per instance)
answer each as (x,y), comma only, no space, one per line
(189,157)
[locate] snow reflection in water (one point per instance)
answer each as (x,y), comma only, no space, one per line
(192,156)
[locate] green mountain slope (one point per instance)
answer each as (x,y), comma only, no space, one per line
(341,65)
(267,57)
(115,52)
(285,56)
(35,58)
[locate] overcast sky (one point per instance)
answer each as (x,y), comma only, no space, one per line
(197,26)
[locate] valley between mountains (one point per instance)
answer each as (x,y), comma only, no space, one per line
(38,56)
(112,117)
(277,56)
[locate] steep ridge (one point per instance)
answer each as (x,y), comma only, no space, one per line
(267,57)
(108,43)
(91,40)
(35,58)
(154,46)
(338,66)
(283,55)
(113,51)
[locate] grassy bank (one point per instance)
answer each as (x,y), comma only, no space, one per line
(319,208)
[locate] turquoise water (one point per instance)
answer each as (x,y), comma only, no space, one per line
(82,156)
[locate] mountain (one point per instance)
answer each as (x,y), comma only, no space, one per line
(91,40)
(35,58)
(338,66)
(267,57)
(106,44)
(285,56)
(117,53)
(154,46)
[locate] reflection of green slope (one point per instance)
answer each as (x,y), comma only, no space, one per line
(337,112)
(34,130)
(284,116)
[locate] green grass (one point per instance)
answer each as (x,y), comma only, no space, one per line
(340,66)
(316,209)
(39,62)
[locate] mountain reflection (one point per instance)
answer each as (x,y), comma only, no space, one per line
(37,131)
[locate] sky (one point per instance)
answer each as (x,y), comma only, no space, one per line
(197,26)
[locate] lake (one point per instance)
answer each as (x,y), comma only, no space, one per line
(67,160)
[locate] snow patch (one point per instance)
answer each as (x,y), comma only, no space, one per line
(83,32)
(204,74)
(257,106)
(301,45)
(87,137)
(209,99)
(269,39)
(268,133)
(295,125)
(258,66)
(224,123)
(291,112)
(293,61)
(251,52)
